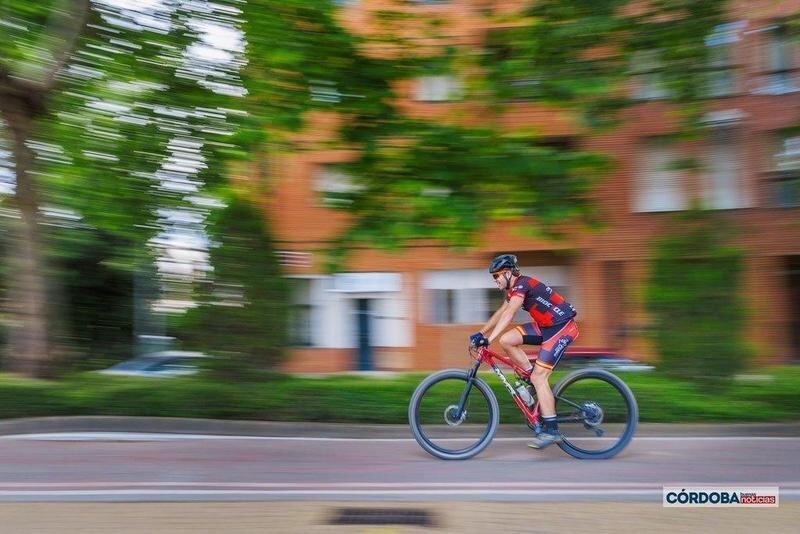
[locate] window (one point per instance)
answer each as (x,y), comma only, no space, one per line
(470,304)
(718,74)
(648,83)
(723,187)
(442,302)
(441,88)
(494,299)
(785,173)
(324,91)
(335,185)
(293,258)
(457,306)
(780,49)
(300,313)
(787,192)
(659,185)
(720,78)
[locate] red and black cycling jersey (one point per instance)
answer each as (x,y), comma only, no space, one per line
(546,307)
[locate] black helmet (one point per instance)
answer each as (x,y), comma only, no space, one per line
(504,261)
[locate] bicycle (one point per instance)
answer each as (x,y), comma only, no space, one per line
(596,412)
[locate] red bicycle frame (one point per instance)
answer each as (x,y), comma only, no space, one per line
(490,358)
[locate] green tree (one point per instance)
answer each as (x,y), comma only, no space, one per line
(693,293)
(116,114)
(110,111)
(584,56)
(243,312)
(95,308)
(445,182)
(418,179)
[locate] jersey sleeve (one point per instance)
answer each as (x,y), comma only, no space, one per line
(518,290)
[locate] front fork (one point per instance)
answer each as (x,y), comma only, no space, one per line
(462,403)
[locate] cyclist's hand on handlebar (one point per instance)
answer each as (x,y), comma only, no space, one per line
(482,342)
(474,338)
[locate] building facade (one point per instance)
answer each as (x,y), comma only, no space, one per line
(415,308)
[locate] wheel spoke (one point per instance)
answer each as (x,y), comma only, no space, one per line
(435,418)
(598,414)
(569,403)
(569,419)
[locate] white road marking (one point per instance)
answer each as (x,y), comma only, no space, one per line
(176,491)
(428,494)
(341,486)
(145,436)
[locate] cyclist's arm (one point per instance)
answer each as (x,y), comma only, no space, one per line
(493,319)
(506,316)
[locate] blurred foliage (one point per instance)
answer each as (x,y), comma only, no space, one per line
(127,114)
(243,312)
(132,121)
(769,397)
(95,299)
(447,181)
(693,295)
(300,58)
(583,56)
(124,115)
(420,179)
(114,114)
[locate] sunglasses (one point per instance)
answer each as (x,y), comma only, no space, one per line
(498,275)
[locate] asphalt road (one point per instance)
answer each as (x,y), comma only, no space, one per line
(444,517)
(170,467)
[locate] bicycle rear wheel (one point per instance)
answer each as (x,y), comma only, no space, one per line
(439,428)
(597,414)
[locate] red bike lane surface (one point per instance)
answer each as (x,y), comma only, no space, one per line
(119,461)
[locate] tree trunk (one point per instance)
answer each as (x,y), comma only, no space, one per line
(22,99)
(28,348)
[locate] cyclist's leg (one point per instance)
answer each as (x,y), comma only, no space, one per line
(557,340)
(511,341)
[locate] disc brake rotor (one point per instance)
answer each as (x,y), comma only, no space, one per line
(450,415)
(593,414)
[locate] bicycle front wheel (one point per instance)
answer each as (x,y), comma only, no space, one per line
(597,414)
(436,423)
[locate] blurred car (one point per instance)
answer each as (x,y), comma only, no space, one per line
(610,360)
(164,364)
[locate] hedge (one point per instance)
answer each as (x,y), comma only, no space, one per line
(358,399)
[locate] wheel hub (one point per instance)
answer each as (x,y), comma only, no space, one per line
(450,415)
(592,413)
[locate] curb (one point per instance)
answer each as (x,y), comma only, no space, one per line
(176,425)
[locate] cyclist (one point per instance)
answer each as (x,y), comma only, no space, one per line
(553,325)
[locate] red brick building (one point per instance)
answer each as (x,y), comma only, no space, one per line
(401,311)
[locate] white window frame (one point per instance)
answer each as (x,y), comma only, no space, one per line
(785,170)
(721,79)
(658,188)
(300,301)
(723,179)
(647,82)
(329,179)
(780,51)
(437,88)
